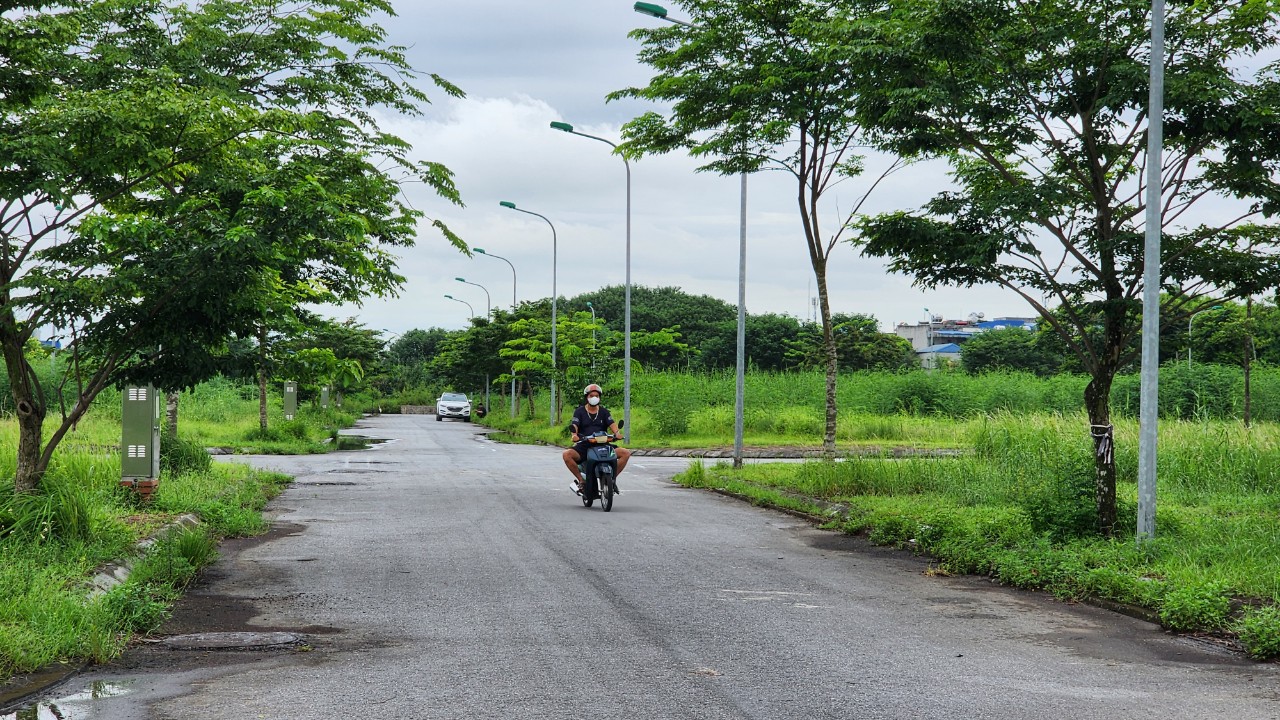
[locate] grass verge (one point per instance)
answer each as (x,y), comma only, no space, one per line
(52,541)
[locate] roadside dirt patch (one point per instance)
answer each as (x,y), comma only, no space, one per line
(202,609)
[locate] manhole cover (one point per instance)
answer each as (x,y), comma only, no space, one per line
(231,641)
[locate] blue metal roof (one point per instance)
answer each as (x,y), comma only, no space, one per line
(1006,323)
(943,348)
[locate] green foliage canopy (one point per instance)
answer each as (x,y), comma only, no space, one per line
(1040,109)
(173,168)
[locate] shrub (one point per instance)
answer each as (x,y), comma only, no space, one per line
(1197,606)
(671,414)
(133,607)
(180,455)
(1259,632)
(889,529)
(1062,505)
(61,510)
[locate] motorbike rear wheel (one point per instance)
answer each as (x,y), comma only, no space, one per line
(588,492)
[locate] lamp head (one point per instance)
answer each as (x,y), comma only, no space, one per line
(450,297)
(563,126)
(460,279)
(589,305)
(479,250)
(507,204)
(651,9)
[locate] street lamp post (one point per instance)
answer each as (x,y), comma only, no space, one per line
(1191,320)
(487,300)
(513,310)
(626,326)
(660,12)
(512,206)
(593,336)
(464,302)
(488,312)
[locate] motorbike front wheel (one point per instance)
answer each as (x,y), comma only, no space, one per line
(605,483)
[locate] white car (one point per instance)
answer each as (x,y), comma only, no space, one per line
(454,405)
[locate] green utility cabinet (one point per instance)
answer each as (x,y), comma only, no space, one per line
(140,438)
(290,400)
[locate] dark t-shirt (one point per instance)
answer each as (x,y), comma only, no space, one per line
(585,425)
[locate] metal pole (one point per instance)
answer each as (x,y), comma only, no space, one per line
(513,310)
(511,205)
(593,337)
(626,330)
(488,313)
(464,302)
(739,403)
(626,353)
(1189,321)
(660,12)
(1149,415)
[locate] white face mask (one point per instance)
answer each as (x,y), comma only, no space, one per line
(593,400)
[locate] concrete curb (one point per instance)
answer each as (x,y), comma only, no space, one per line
(784,453)
(113,573)
(758,453)
(21,690)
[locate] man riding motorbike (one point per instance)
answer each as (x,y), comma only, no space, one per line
(590,417)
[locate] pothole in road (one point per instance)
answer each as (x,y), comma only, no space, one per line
(232,641)
(357,442)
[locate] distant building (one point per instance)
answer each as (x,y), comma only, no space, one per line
(938,342)
(937,331)
(938,355)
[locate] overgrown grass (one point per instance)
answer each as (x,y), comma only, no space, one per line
(52,540)
(1019,507)
(915,409)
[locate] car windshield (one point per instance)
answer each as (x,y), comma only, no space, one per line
(453,397)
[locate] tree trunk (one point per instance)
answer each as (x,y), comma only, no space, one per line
(262,378)
(829,345)
(1248,361)
(1097,400)
(171,413)
(28,402)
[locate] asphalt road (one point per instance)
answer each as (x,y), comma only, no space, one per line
(441,575)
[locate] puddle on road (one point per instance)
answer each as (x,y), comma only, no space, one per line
(355,442)
(77,706)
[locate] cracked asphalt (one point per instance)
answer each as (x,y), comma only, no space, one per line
(441,575)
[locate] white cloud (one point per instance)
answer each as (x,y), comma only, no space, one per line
(527,64)
(685,225)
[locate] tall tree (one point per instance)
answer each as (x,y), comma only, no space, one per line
(1011,348)
(766,340)
(1041,110)
(116,117)
(749,90)
(655,308)
(859,346)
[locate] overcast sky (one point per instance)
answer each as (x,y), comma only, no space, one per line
(526,64)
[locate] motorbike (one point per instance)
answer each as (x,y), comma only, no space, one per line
(599,470)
